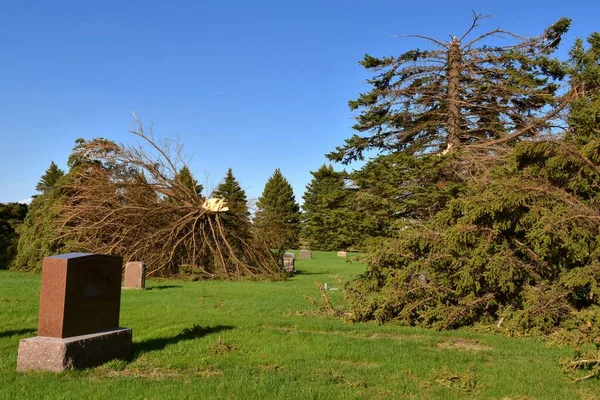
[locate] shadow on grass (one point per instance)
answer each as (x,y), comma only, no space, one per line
(19,332)
(300,272)
(194,332)
(163,287)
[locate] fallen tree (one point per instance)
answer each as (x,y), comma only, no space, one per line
(133,201)
(519,249)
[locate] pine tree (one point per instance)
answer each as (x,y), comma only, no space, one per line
(330,220)
(237,220)
(39,234)
(277,218)
(50,178)
(234,195)
(461,93)
(584,115)
(393,190)
(185,178)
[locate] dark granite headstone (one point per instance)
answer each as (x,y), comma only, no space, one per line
(79,315)
(81,294)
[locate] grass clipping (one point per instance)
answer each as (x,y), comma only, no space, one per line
(134,202)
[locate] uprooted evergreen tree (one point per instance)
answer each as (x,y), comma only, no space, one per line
(137,203)
(520,248)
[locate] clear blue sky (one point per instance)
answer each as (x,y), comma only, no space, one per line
(252,85)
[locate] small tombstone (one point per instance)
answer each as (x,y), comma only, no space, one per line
(135,275)
(305,254)
(78,326)
(289,261)
(341,254)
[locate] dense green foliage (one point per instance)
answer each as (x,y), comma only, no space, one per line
(50,178)
(518,247)
(277,218)
(395,189)
(185,178)
(11,218)
(235,197)
(330,221)
(39,235)
(237,219)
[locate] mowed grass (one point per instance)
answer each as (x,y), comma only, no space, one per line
(261,340)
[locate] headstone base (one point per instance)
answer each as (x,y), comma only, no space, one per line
(56,354)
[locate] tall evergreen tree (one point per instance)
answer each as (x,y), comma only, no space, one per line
(277,217)
(584,115)
(330,220)
(184,177)
(463,92)
(237,220)
(39,235)
(235,197)
(50,178)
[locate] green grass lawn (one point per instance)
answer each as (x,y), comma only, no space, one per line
(258,340)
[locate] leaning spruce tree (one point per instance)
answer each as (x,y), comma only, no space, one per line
(519,249)
(464,92)
(440,115)
(277,219)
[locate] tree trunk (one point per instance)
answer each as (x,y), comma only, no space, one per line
(454,64)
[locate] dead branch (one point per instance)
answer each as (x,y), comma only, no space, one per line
(130,201)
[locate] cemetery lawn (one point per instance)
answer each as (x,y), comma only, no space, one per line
(262,340)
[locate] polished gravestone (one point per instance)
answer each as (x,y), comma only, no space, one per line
(341,254)
(135,275)
(79,315)
(305,254)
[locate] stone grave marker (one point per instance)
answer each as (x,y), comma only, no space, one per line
(289,262)
(78,325)
(305,254)
(135,275)
(341,254)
